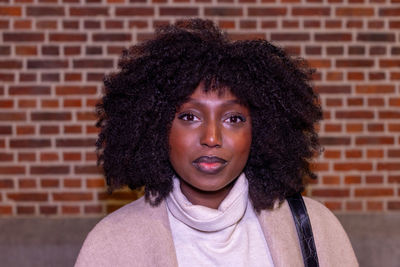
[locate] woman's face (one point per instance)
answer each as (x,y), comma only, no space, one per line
(209,141)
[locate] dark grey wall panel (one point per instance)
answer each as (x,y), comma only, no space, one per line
(56,242)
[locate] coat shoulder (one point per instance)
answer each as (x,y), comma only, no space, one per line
(128,233)
(332,243)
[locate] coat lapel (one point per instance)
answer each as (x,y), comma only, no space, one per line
(281,236)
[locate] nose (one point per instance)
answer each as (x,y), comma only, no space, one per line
(211,135)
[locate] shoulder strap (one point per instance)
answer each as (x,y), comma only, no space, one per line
(304,230)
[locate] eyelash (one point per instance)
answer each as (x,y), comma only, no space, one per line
(184,116)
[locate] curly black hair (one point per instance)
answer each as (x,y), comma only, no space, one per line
(157,76)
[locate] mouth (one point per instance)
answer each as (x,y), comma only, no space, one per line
(209,164)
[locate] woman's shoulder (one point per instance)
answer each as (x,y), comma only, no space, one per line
(127,232)
(332,243)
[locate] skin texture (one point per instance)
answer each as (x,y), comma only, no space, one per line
(209,124)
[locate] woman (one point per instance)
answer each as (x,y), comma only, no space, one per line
(220,133)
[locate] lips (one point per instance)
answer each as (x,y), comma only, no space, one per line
(209,164)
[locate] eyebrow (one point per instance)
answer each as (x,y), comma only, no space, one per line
(225,103)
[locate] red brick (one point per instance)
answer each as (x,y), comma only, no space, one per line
(375,153)
(23,37)
(6,183)
(350,166)
(395,12)
(95,183)
(69,196)
(88,11)
(374,89)
(389,63)
(374,179)
(374,206)
(5,130)
(247,36)
(376,37)
(72,156)
(27,183)
(72,129)
(352,179)
(389,166)
(375,127)
(354,11)
(45,11)
(72,183)
(47,64)
(311,11)
(354,63)
(46,183)
(354,153)
(394,179)
(49,103)
(375,140)
(50,116)
(389,114)
(333,37)
(334,89)
(48,210)
(93,209)
(268,11)
(92,63)
(354,205)
(25,130)
(56,169)
(330,192)
(67,37)
(25,210)
(373,192)
(10,11)
(27,103)
(290,37)
(354,114)
(134,11)
(112,37)
(223,11)
(82,142)
(326,141)
(394,205)
(28,196)
(48,157)
(331,180)
(47,24)
(5,210)
(10,64)
(180,11)
(29,90)
(75,90)
(89,169)
(334,50)
(70,209)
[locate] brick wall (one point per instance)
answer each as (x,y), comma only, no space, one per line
(53,54)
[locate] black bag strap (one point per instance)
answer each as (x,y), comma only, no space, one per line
(304,230)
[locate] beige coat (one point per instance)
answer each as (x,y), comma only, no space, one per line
(139,235)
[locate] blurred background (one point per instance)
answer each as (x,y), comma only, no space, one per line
(54,54)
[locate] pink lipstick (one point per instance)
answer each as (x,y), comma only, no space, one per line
(209,164)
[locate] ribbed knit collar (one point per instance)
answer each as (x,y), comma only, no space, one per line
(202,218)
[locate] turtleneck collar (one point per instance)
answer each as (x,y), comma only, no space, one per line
(202,218)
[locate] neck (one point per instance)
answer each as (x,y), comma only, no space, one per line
(210,199)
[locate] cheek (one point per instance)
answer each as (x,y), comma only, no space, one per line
(180,142)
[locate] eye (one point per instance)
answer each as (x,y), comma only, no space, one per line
(187,116)
(235,119)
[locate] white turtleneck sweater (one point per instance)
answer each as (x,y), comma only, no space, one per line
(228,236)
